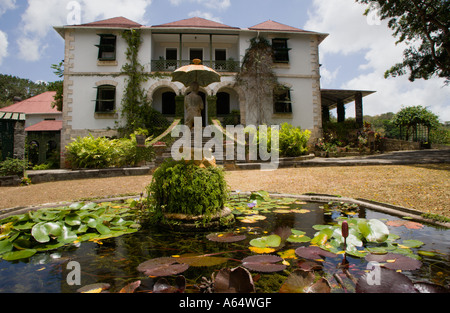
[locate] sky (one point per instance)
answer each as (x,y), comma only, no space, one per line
(357,52)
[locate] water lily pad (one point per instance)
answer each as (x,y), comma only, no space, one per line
(305,282)
(200,260)
(424,287)
(298,236)
(412,243)
(261,250)
(263,263)
(18,255)
(313,253)
(390,281)
(373,230)
(271,241)
(237,280)
(395,261)
(94,288)
(164,266)
(163,286)
(225,237)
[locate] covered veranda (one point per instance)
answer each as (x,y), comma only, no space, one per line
(336,98)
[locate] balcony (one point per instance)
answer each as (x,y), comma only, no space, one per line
(229,66)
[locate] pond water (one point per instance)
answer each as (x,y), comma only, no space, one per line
(115,260)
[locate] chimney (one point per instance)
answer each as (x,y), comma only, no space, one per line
(17,99)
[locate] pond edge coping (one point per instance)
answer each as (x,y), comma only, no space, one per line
(322,198)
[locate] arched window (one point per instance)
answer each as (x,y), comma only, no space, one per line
(106,99)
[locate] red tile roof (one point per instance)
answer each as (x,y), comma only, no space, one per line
(119,22)
(196,22)
(275,26)
(47,126)
(40,104)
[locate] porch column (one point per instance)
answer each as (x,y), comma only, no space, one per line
(359,109)
(210,50)
(181,51)
(341,112)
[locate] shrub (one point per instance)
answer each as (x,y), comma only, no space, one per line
(181,187)
(11,167)
(98,153)
(293,141)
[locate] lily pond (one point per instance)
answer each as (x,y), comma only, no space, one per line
(275,245)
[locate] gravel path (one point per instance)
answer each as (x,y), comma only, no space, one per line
(421,187)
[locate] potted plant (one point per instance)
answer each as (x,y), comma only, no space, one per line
(141,136)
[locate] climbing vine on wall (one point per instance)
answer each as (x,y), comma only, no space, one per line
(137,111)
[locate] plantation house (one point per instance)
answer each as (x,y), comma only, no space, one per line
(96,52)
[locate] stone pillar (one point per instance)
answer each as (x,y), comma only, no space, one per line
(19,140)
(341,112)
(359,109)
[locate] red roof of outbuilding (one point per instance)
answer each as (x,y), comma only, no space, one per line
(275,26)
(196,22)
(46,126)
(40,104)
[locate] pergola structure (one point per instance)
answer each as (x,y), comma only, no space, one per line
(336,98)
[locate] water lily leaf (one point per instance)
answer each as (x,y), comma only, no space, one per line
(288,254)
(73,220)
(131,287)
(200,260)
(271,241)
(300,211)
(40,234)
(238,280)
(282,211)
(304,282)
(322,237)
(407,224)
(260,195)
(163,286)
(390,281)
(307,265)
(426,253)
(94,288)
(313,253)
(412,243)
(424,287)
(5,246)
(373,230)
(164,266)
(225,237)
(298,236)
(261,250)
(18,255)
(263,263)
(395,261)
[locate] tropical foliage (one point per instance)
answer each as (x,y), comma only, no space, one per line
(98,153)
(175,181)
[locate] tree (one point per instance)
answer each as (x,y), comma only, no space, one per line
(257,77)
(410,119)
(58,86)
(425,26)
(13,86)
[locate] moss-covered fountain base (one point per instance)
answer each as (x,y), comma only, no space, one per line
(190,196)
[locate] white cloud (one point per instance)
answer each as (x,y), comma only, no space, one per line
(205,15)
(30,49)
(38,20)
(3,46)
(353,35)
(328,77)
(6,5)
(210,4)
